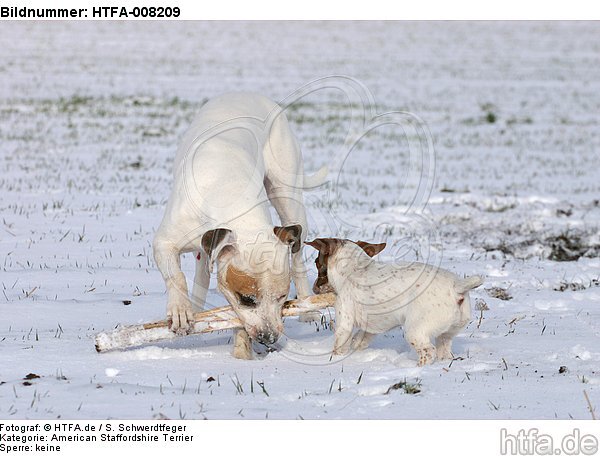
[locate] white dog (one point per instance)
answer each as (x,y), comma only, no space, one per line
(238,156)
(427,302)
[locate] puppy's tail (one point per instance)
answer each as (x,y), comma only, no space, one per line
(461,286)
(317,179)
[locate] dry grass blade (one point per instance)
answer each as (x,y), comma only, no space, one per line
(589,403)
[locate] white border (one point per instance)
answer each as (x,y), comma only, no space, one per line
(330,437)
(352,9)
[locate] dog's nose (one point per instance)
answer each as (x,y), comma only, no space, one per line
(267,337)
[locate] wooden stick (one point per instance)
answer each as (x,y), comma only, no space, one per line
(218,319)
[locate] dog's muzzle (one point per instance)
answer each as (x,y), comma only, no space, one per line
(322,287)
(267,338)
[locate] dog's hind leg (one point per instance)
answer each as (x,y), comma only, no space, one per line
(443,343)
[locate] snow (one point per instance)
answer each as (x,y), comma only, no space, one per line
(90,117)
(111,372)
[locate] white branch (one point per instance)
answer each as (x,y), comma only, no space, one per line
(217,319)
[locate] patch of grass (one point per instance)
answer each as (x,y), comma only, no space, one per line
(560,212)
(570,247)
(577,285)
(490,117)
(445,189)
(68,105)
(408,388)
(502,246)
(566,246)
(522,120)
(499,293)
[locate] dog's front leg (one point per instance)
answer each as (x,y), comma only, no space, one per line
(287,201)
(299,275)
(419,338)
(201,281)
(344,324)
(361,340)
(242,345)
(302,286)
(179,307)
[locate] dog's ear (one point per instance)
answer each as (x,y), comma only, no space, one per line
(314,244)
(290,235)
(371,249)
(326,246)
(215,241)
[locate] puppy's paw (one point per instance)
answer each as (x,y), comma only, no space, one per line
(444,354)
(180,316)
(426,356)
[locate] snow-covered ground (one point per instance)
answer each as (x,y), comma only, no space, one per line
(90,117)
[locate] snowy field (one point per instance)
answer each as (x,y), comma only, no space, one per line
(90,117)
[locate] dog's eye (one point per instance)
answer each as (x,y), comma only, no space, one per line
(248,300)
(282,297)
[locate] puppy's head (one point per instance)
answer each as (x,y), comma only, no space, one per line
(255,276)
(327,248)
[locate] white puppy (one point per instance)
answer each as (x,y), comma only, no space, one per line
(238,158)
(427,302)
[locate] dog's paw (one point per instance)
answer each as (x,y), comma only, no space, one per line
(243,353)
(359,344)
(341,351)
(181,317)
(444,354)
(426,356)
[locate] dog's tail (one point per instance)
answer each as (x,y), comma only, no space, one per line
(461,286)
(317,179)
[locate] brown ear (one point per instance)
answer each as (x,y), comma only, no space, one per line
(314,244)
(289,235)
(371,249)
(325,245)
(213,240)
